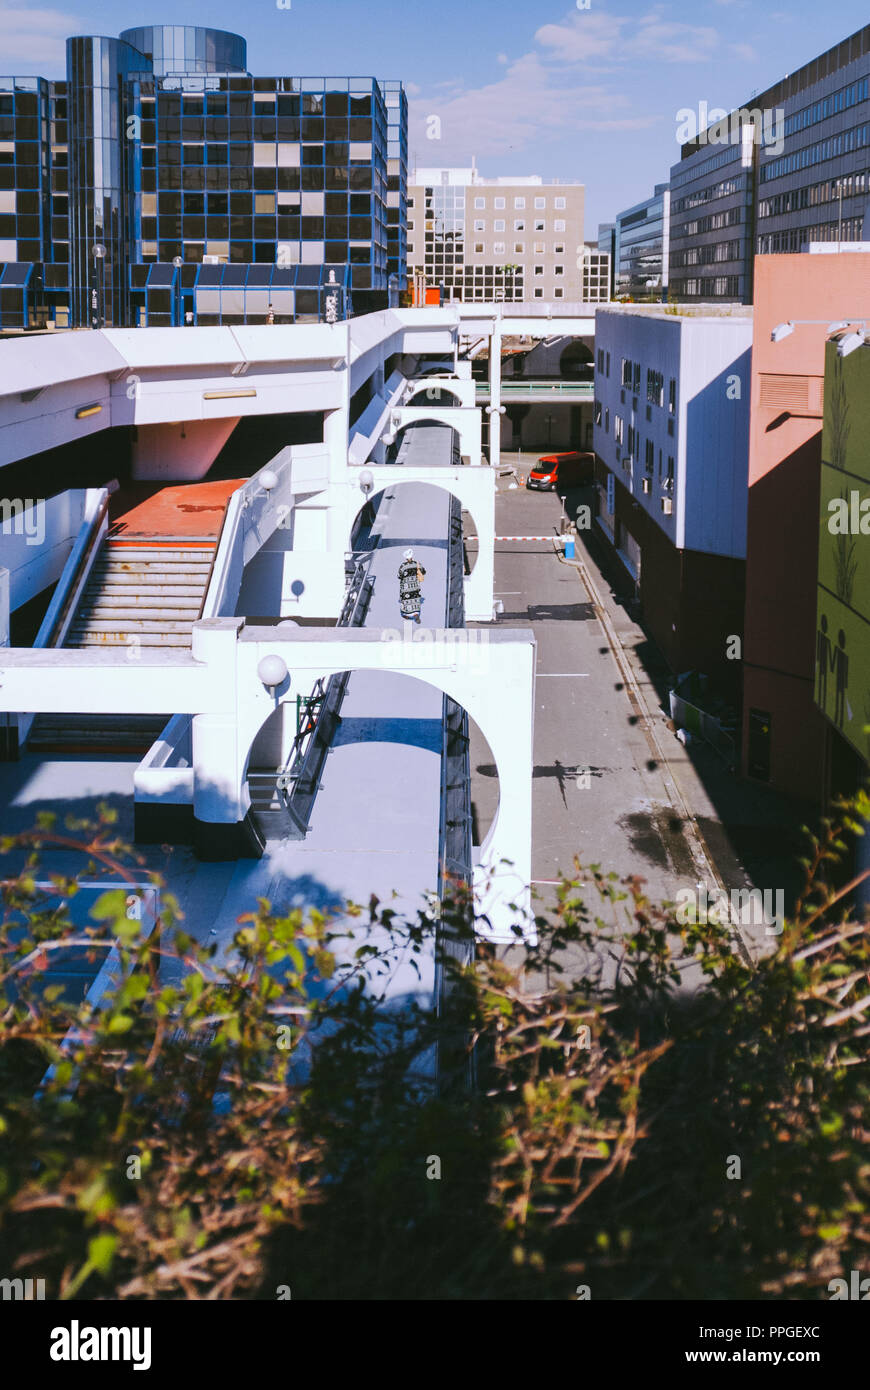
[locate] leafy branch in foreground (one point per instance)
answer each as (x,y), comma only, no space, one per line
(227,1127)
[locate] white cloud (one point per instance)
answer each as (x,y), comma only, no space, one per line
(532,101)
(572,82)
(33,41)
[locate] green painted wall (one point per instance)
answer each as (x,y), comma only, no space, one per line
(842,689)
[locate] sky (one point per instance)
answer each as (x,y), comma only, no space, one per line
(588,95)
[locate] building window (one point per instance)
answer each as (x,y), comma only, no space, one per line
(480,202)
(519,202)
(558,293)
(498,248)
(598,412)
(558,270)
(649,457)
(520,248)
(539,248)
(498,203)
(672,397)
(607,367)
(539,270)
(539,294)
(559,225)
(519,226)
(540,226)
(626,371)
(480,226)
(600,359)
(618,428)
(478,248)
(559,203)
(498,226)
(636,382)
(559,248)
(540,202)
(606,421)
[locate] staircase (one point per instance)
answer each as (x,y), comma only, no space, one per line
(140,594)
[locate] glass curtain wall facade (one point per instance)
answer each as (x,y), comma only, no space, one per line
(168,186)
(642,234)
(25,195)
(792,168)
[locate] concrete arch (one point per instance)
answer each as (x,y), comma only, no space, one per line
(489,673)
(475,489)
(465,420)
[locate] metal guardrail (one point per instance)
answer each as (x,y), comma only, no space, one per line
(584,390)
(297,781)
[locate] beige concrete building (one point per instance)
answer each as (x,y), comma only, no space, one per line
(493,239)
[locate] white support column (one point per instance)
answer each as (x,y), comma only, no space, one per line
(495,394)
(220,794)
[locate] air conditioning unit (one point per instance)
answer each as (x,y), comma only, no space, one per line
(647,484)
(667,505)
(211,260)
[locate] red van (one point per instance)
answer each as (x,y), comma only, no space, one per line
(561,470)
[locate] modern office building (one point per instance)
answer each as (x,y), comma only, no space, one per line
(786,741)
(642,236)
(790,168)
(671,442)
(162,183)
(493,239)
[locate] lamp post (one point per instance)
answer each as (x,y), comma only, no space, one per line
(178,263)
(98,310)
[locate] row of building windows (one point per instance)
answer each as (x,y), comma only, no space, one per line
(697,171)
(520,226)
(835,145)
(705,255)
(721,285)
(828,106)
(713,222)
(708,195)
(539,203)
(812,194)
(797,238)
(632,439)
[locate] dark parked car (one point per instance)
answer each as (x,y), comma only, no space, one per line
(562,471)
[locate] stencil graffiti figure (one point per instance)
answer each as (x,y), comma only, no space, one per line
(823,659)
(411,575)
(840,665)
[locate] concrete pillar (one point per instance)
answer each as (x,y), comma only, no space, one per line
(495,394)
(223,828)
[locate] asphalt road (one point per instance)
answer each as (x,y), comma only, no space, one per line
(612,786)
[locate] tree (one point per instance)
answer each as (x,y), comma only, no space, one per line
(229,1129)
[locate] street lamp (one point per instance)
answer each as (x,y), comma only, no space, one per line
(178,263)
(98,314)
(272,671)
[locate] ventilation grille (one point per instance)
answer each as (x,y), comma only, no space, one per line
(801,394)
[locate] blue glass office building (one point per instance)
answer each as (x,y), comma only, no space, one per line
(162,183)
